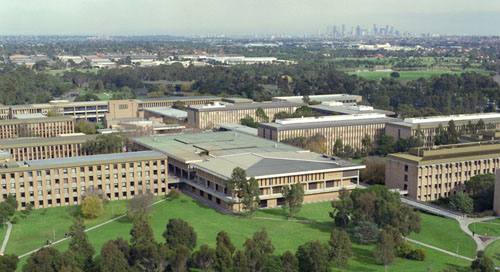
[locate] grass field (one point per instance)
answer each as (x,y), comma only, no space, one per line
(406,75)
(485,227)
(493,250)
(285,235)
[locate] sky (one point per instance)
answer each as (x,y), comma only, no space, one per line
(244,17)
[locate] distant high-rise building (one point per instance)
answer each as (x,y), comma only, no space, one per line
(386,32)
(375,30)
(335,31)
(358,31)
(343,29)
(391,31)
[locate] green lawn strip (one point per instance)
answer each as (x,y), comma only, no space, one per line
(309,211)
(493,250)
(285,235)
(482,228)
(34,230)
(445,233)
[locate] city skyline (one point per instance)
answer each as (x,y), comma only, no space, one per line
(194,17)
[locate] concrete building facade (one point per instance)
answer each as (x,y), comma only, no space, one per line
(61,182)
(208,116)
(429,126)
(431,173)
(350,128)
(36,127)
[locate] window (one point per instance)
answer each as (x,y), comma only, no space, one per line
(123,106)
(406,168)
(313,186)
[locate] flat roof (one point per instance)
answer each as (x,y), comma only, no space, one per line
(434,121)
(239,128)
(327,121)
(168,112)
(34,141)
(450,153)
(347,110)
(28,116)
(244,106)
(321,97)
(180,98)
(196,146)
(36,120)
(266,165)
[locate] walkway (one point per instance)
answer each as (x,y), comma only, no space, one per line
(464,225)
(432,209)
(87,230)
(6,239)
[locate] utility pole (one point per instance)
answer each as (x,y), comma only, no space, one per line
(457,247)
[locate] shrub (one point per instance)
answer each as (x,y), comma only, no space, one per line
(44,212)
(418,254)
(92,207)
(174,193)
(405,250)
(366,233)
(14,220)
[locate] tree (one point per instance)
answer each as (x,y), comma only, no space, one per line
(112,259)
(340,248)
(312,257)
(261,115)
(385,251)
(349,151)
(374,172)
(368,145)
(179,232)
(180,259)
(204,258)
(289,262)
(342,209)
(92,207)
(385,145)
(480,126)
(11,199)
(452,133)
(141,205)
(8,262)
(80,245)
(240,263)
(366,233)
(401,145)
(250,191)
(293,197)
(483,263)
(406,220)
(394,74)
(149,254)
(46,259)
(179,105)
(85,126)
(238,177)
(482,189)
(249,122)
(224,240)
(338,148)
(223,260)
(461,202)
(257,250)
(87,97)
(104,144)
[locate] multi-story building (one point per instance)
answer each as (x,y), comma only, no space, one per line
(429,173)
(60,182)
(428,127)
(350,128)
(27,149)
(204,161)
(208,116)
(36,127)
(343,98)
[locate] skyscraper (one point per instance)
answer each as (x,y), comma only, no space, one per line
(375,30)
(358,31)
(343,29)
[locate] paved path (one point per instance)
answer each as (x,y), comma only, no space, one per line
(464,225)
(6,239)
(87,230)
(439,249)
(432,209)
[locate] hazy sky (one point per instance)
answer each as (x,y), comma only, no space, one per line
(187,17)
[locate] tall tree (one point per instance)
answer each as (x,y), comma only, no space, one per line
(342,209)
(406,220)
(80,245)
(240,262)
(452,132)
(8,262)
(223,239)
(223,260)
(261,115)
(141,205)
(204,258)
(112,258)
(483,263)
(338,148)
(385,145)
(313,257)
(92,207)
(238,177)
(385,251)
(340,248)
(250,191)
(179,232)
(257,250)
(289,262)
(293,197)
(368,145)
(462,202)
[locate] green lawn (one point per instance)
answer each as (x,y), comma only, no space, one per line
(493,250)
(285,235)
(445,233)
(34,230)
(485,227)
(313,211)
(407,75)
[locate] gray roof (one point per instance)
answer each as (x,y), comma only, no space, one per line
(444,123)
(175,98)
(245,106)
(169,112)
(29,116)
(346,110)
(35,141)
(262,165)
(339,123)
(96,159)
(239,128)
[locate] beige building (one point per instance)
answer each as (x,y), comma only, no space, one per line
(350,128)
(208,116)
(204,161)
(342,98)
(27,149)
(61,182)
(36,127)
(431,173)
(428,126)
